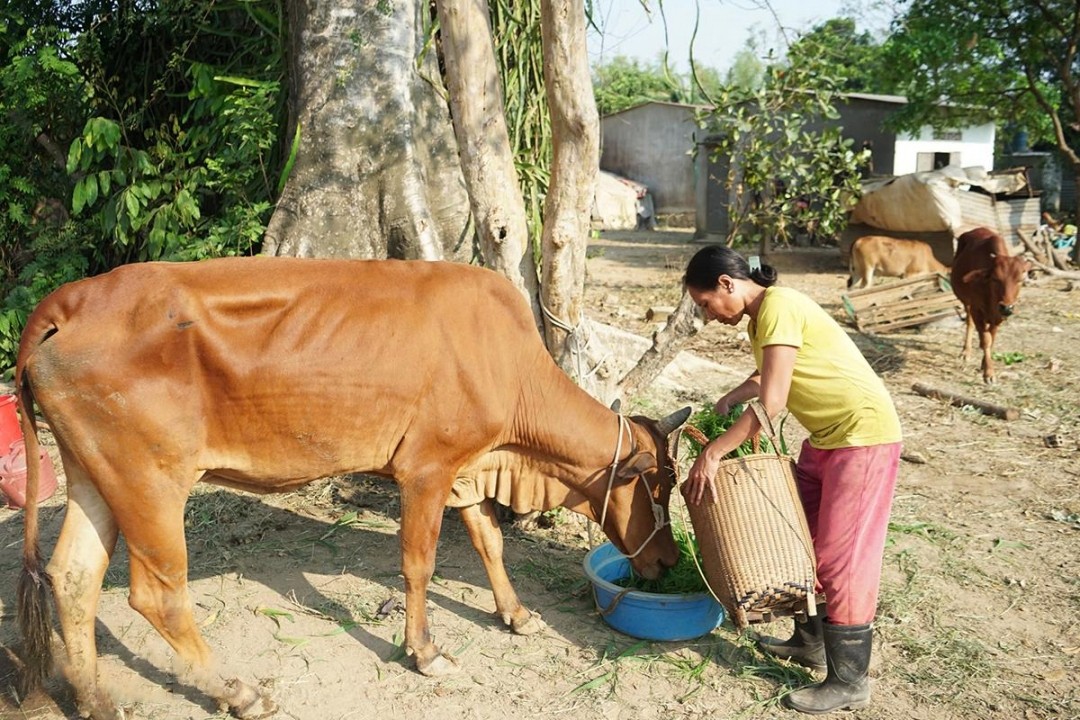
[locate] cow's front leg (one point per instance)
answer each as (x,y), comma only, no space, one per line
(421,519)
(986,341)
(487,538)
(969,330)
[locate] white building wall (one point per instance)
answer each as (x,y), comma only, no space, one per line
(976,148)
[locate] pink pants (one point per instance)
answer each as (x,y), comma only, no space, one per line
(847,494)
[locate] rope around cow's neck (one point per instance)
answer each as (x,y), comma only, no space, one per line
(659,523)
(574,345)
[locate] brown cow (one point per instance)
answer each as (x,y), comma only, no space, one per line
(987,281)
(263,374)
(891,257)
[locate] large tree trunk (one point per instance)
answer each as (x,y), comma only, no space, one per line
(575,163)
(487,161)
(377,173)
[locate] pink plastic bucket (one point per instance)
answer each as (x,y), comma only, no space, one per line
(9,421)
(13,475)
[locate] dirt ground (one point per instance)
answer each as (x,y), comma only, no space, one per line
(979,615)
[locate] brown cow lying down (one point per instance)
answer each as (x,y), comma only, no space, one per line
(263,374)
(891,257)
(987,281)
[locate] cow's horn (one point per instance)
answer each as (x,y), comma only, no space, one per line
(669,424)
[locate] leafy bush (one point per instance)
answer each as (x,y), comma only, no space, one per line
(150,132)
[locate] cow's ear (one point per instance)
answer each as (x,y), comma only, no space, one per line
(636,464)
(975,276)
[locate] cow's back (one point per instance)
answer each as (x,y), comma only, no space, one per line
(891,257)
(259,368)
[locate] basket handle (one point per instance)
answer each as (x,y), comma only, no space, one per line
(767,427)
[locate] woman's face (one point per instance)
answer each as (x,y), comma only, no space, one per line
(722,303)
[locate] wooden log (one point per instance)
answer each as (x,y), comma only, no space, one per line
(1032,246)
(960,401)
(659,313)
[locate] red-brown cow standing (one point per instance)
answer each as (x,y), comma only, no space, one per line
(263,374)
(987,280)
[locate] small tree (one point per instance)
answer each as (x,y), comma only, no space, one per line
(787,166)
(624,82)
(855,58)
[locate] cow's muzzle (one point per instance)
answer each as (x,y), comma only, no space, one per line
(1006,310)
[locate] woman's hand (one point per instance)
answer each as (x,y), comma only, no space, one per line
(702,473)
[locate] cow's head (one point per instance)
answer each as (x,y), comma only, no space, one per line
(637,519)
(1003,281)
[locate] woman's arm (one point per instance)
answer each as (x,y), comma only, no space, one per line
(748,390)
(777,366)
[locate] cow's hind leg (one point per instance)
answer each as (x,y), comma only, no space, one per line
(421,520)
(159,592)
(77,567)
(487,538)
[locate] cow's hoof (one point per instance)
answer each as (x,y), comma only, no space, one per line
(101,707)
(529,625)
(438,666)
(247,703)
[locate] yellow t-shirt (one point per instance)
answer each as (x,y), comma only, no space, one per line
(835,394)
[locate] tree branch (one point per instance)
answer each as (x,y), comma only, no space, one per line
(666,344)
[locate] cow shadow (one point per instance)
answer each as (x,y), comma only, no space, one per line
(343,526)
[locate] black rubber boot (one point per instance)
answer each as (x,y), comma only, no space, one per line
(846,687)
(806,646)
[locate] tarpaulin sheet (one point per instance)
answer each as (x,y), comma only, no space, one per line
(619,203)
(928,201)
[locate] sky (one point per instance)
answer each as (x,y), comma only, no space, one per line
(723,28)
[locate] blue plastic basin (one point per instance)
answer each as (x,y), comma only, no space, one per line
(649,616)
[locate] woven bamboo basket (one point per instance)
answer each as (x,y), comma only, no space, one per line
(756,550)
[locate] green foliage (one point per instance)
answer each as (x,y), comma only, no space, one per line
(519,54)
(747,70)
(132,132)
(42,94)
(785,155)
(147,202)
(854,58)
(625,82)
(683,578)
(973,62)
(712,425)
(1009,358)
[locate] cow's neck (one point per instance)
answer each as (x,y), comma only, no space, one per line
(565,433)
(557,451)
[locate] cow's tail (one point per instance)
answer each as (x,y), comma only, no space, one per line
(35,585)
(851,266)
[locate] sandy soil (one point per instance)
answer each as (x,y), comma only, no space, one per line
(979,613)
